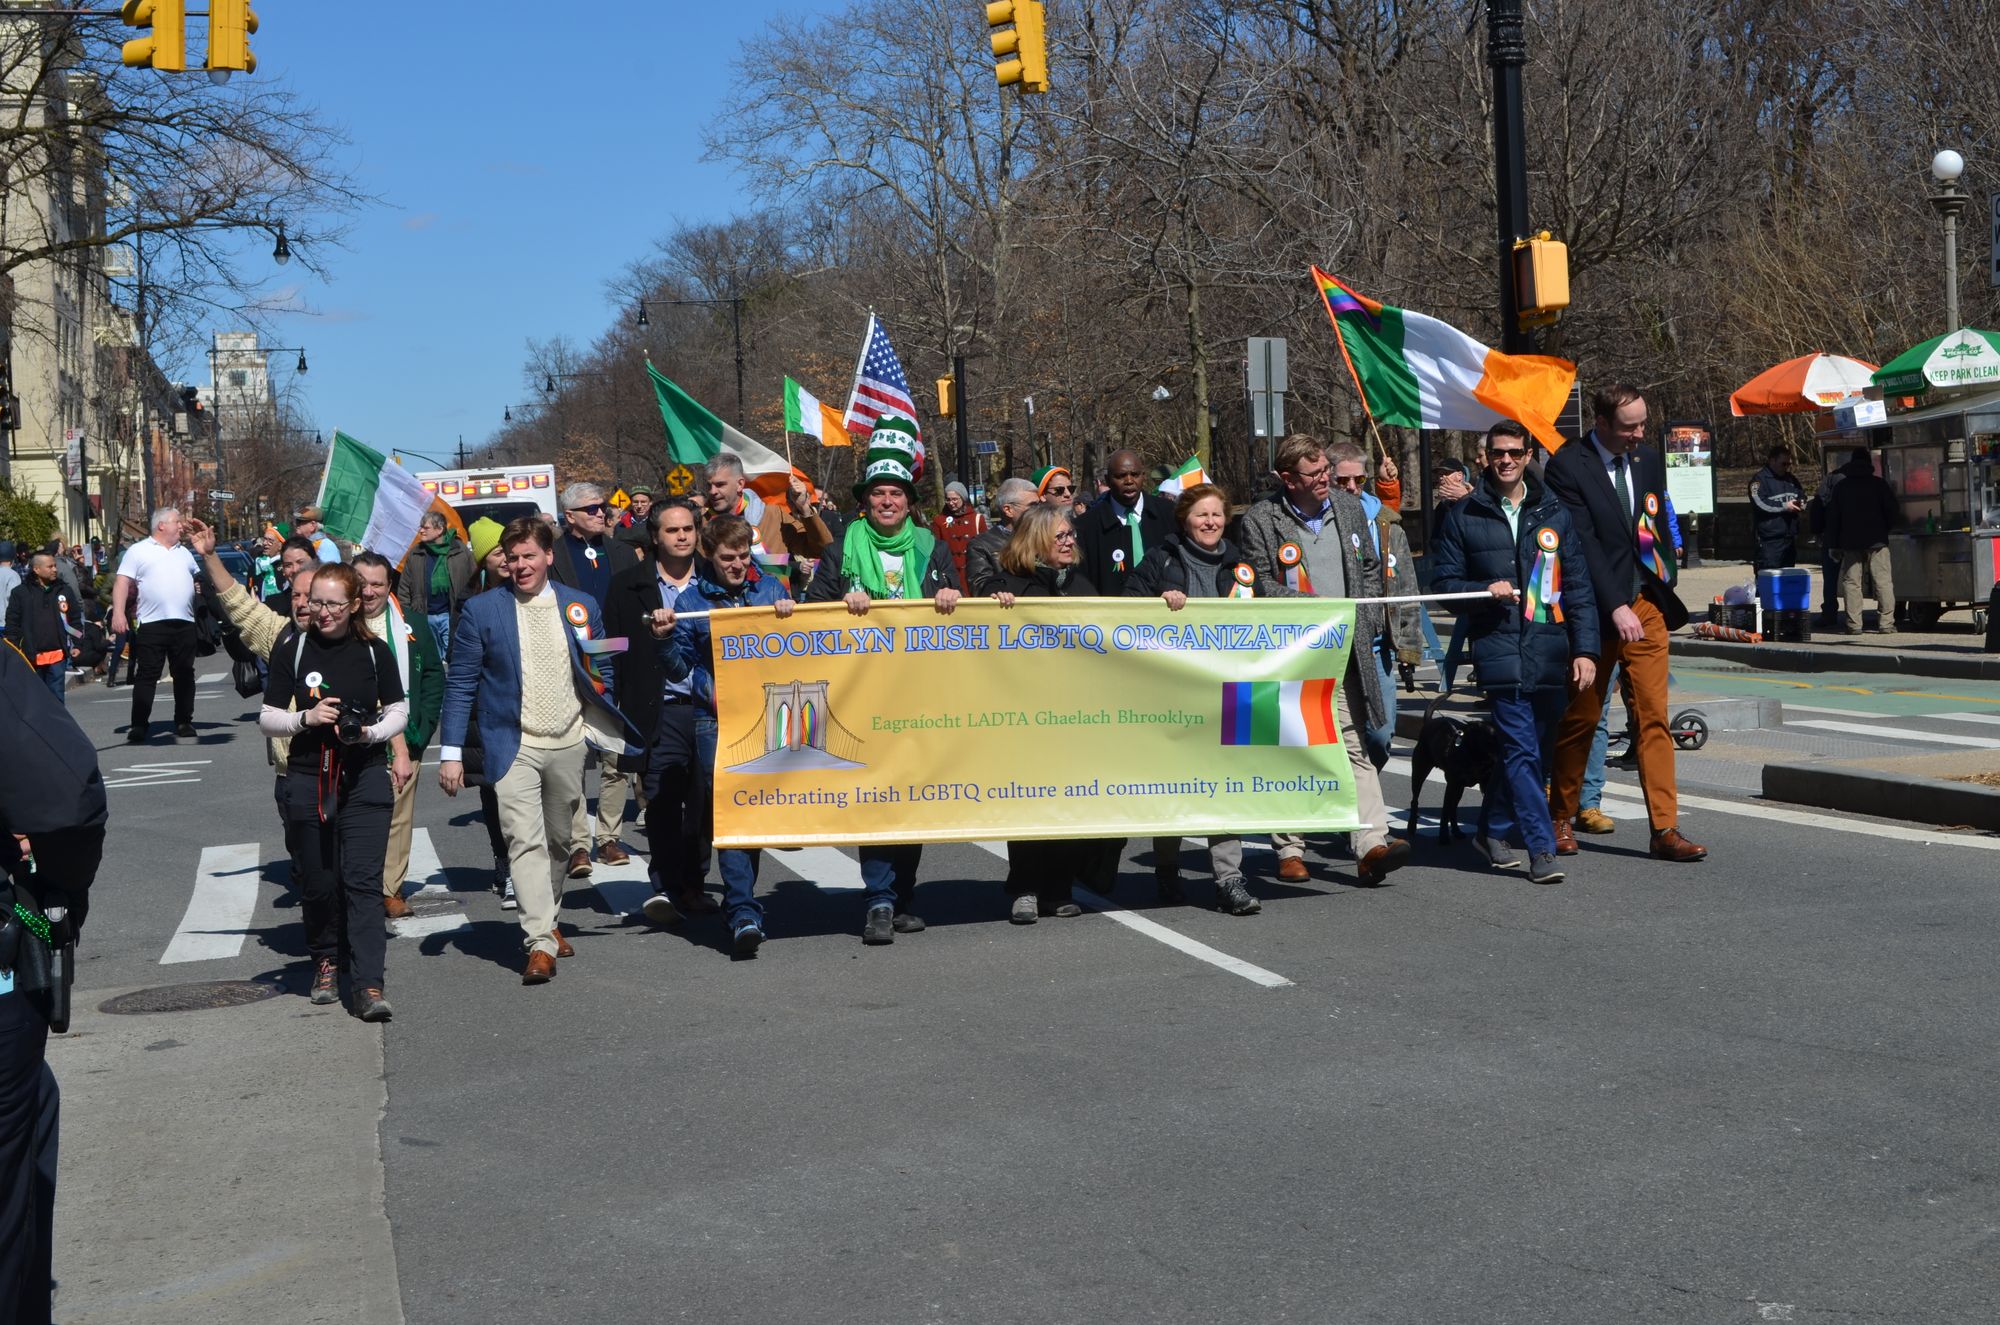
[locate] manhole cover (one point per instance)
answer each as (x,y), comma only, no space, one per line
(197,997)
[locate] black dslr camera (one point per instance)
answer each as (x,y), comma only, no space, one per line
(350,725)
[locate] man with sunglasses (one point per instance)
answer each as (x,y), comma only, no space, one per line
(1531,646)
(586,557)
(1114,534)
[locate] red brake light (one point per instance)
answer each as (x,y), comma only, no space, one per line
(541,480)
(430,485)
(501,489)
(450,489)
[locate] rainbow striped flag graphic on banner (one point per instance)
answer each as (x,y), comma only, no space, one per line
(1284,713)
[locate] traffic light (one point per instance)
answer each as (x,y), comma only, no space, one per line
(947,398)
(166,48)
(230,23)
(1020,44)
(1541,279)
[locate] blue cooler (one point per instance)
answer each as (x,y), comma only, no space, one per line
(1785,590)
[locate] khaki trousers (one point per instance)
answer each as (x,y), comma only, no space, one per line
(538,802)
(1644,678)
(1876,562)
(614,786)
(1367,786)
(402,822)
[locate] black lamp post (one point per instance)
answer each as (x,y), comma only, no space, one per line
(735,303)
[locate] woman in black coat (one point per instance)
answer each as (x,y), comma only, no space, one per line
(1198,561)
(1040,561)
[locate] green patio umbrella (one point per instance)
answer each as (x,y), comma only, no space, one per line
(1966,357)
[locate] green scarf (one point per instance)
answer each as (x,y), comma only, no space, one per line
(440,585)
(863,547)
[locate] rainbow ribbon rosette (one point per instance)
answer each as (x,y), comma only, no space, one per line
(1543,600)
(1654,551)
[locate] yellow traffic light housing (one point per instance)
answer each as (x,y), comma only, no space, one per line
(947,389)
(230,23)
(1541,279)
(166,48)
(1020,44)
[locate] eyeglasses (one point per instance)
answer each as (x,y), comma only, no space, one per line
(1352,482)
(328,608)
(1513,453)
(1065,536)
(1066,490)
(595,508)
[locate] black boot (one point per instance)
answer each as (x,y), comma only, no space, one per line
(1168,879)
(1233,897)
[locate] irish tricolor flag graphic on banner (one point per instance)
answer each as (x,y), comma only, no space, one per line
(1417,372)
(370,500)
(1283,713)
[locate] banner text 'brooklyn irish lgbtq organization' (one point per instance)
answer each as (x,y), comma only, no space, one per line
(1050,719)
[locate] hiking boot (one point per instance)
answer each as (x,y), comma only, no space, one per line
(1233,897)
(369,1005)
(326,982)
(880,927)
(1590,819)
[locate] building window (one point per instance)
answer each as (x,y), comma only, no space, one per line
(239,377)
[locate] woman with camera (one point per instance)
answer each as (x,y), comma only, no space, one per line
(335,692)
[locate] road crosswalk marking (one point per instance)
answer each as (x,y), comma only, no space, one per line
(1904,734)
(828,869)
(218,915)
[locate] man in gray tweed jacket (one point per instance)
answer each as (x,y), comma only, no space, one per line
(1312,541)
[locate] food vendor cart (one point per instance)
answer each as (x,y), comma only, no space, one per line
(1943,460)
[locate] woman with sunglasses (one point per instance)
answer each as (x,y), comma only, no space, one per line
(335,692)
(1533,644)
(1039,561)
(1198,561)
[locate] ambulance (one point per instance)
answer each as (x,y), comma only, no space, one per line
(497,494)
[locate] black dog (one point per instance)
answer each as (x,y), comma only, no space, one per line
(1469,755)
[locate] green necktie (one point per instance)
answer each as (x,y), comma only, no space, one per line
(1138,543)
(1625,499)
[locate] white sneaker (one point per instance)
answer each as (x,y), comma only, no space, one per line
(508,902)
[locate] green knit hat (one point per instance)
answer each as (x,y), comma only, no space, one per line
(895,453)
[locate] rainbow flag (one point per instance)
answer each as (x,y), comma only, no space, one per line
(1417,372)
(1282,713)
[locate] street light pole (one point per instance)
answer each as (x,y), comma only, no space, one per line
(1949,201)
(735,303)
(1506,52)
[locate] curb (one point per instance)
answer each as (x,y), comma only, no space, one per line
(1883,795)
(1805,658)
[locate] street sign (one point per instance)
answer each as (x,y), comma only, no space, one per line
(680,481)
(1993,250)
(221,494)
(986,448)
(1268,381)
(620,499)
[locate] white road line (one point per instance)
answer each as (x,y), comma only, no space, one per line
(417,927)
(218,915)
(1992,719)
(1174,939)
(1863,729)
(425,867)
(828,869)
(151,782)
(1790,707)
(623,887)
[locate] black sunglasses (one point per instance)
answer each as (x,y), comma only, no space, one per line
(595,508)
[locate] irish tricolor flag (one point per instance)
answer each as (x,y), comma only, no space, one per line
(370,500)
(694,437)
(1189,475)
(805,414)
(1279,713)
(1417,372)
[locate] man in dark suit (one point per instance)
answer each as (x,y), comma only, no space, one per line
(1114,533)
(1614,488)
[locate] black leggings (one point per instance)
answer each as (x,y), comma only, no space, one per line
(337,866)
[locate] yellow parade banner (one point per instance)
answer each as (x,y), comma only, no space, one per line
(1056,718)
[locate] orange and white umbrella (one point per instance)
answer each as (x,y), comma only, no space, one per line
(1802,385)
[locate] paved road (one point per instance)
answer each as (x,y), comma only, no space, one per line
(1755,1089)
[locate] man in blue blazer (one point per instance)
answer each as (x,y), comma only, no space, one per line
(533,655)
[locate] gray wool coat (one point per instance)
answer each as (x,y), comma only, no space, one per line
(1269,525)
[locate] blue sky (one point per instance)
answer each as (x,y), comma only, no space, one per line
(525,154)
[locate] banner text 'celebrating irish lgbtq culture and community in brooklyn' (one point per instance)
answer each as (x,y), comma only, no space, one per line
(1050,719)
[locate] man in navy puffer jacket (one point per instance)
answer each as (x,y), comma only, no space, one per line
(1535,642)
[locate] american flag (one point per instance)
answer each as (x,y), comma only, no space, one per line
(879,385)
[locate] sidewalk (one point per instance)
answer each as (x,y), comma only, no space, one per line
(1950,649)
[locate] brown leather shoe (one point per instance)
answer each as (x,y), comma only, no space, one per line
(579,864)
(394,907)
(1565,838)
(611,853)
(1383,861)
(1594,820)
(1670,845)
(541,969)
(562,944)
(1292,869)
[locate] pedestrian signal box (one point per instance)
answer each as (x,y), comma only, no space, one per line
(1541,279)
